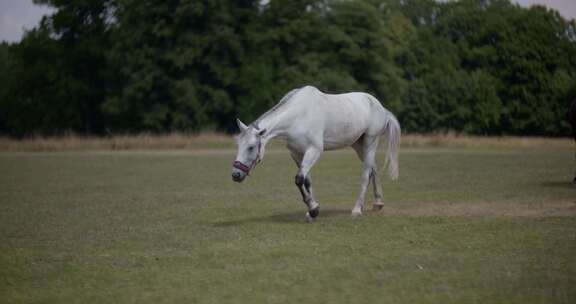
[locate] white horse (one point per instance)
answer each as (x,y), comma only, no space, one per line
(312,122)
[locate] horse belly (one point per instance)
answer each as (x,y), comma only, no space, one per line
(343,131)
(331,143)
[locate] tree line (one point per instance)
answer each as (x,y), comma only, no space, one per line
(98,67)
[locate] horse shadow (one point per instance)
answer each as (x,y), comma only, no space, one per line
(559,184)
(286,218)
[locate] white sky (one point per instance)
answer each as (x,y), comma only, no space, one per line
(18,15)
(566,8)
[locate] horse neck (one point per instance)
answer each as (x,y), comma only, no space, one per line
(276,123)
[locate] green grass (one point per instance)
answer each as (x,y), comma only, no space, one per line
(460,226)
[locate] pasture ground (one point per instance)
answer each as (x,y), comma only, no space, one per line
(462,225)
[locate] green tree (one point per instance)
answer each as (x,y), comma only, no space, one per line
(180,63)
(521,55)
(80,29)
(472,66)
(6,78)
(38,93)
(335,45)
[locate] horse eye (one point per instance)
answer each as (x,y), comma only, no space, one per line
(250,149)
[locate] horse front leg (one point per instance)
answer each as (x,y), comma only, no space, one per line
(304,184)
(303,181)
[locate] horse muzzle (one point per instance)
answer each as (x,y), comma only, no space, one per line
(238,176)
(239,171)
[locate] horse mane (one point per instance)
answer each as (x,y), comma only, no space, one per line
(282,101)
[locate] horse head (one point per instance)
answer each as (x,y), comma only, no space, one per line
(250,150)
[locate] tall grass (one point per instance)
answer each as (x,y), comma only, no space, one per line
(467,141)
(145,141)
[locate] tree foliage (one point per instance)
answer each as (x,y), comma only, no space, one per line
(471,66)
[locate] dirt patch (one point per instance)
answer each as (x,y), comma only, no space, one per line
(485,209)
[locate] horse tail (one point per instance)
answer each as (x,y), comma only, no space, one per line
(392,133)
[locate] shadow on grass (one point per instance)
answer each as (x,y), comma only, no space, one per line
(559,184)
(291,217)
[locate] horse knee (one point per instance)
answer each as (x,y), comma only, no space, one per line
(299,180)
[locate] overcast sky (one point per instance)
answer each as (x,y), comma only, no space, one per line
(18,15)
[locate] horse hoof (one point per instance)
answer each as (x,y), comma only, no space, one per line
(309,219)
(356,214)
(377,207)
(314,212)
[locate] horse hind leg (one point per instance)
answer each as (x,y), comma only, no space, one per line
(378,205)
(366,149)
(374,178)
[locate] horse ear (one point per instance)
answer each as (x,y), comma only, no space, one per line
(262,132)
(241,125)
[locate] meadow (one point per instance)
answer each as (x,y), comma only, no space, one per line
(474,224)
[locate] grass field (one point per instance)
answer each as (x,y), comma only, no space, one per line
(462,225)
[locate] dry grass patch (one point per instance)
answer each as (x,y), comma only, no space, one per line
(467,141)
(144,141)
(211,140)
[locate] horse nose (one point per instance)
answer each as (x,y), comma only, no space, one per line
(236,175)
